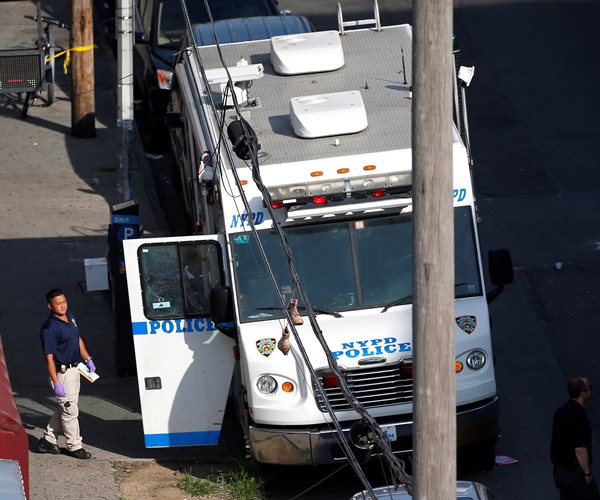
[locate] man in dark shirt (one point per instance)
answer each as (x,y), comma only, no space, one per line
(63,349)
(571,447)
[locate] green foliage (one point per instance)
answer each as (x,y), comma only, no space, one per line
(244,486)
(197,486)
(240,484)
(117,474)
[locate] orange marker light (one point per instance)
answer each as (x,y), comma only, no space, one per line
(343,170)
(287,387)
(369,167)
(458,366)
(243,182)
(317,173)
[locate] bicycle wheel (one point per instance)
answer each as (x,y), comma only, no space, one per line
(49,76)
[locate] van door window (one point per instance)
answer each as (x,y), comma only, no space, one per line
(177,278)
(201,272)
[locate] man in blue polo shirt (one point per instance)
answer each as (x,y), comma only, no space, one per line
(63,350)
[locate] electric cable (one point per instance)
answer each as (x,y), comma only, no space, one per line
(396,465)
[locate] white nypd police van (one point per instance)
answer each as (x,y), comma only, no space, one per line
(332,115)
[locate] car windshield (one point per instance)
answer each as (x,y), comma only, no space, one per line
(344,265)
(171,25)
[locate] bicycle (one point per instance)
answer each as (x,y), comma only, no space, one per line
(28,71)
(47,46)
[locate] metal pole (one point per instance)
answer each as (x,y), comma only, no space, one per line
(124,33)
(433,277)
(124,26)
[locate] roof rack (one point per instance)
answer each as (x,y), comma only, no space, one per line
(359,22)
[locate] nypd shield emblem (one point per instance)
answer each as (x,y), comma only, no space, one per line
(265,346)
(467,323)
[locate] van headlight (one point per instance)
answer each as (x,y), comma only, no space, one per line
(476,360)
(266,384)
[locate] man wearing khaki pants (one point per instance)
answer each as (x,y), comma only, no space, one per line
(63,350)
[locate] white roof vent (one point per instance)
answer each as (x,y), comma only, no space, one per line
(307,53)
(328,114)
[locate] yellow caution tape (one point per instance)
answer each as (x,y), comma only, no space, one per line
(83,48)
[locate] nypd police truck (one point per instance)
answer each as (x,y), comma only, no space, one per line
(306,136)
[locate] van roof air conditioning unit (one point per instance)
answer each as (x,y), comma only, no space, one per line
(307,53)
(328,114)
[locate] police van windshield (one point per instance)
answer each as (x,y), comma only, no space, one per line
(344,265)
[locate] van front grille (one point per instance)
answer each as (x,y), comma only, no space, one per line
(372,387)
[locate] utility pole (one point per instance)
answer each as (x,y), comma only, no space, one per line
(83,114)
(125,34)
(434,433)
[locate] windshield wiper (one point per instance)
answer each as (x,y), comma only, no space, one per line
(407,299)
(318,310)
(321,310)
(398,302)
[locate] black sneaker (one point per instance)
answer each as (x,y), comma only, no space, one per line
(80,453)
(45,446)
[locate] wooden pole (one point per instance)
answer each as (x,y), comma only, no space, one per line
(433,277)
(83,115)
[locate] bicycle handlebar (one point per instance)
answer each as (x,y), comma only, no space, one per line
(48,21)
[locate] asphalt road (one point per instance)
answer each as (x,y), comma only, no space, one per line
(534,124)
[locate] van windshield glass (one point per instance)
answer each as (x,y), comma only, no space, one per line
(344,265)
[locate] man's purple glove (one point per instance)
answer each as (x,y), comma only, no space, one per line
(59,390)
(91,366)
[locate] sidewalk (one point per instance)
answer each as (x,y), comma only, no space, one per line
(55,197)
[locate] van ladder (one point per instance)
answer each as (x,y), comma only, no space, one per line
(359,22)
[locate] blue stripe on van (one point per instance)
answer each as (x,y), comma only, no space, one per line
(201,438)
(139,328)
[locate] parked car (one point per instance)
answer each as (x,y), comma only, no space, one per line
(465,490)
(160,26)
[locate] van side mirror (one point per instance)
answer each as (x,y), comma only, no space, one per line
(221,309)
(501,271)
